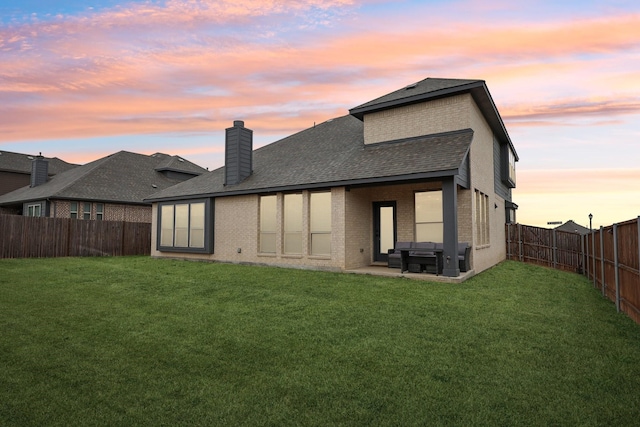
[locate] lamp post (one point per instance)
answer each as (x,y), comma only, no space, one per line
(590,218)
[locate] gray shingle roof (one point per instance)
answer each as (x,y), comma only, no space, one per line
(21,163)
(429,86)
(122,177)
(176,164)
(334,153)
(573,227)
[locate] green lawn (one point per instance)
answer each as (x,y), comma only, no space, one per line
(140,341)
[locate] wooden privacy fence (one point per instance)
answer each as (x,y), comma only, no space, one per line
(613,264)
(609,257)
(542,246)
(26,237)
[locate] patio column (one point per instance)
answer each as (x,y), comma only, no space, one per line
(450,226)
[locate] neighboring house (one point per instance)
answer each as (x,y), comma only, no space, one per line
(112,188)
(429,162)
(572,227)
(15,169)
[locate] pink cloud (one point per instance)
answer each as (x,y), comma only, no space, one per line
(117,72)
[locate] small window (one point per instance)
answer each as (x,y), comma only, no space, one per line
(99,211)
(73,208)
(34,210)
(86,211)
(184,227)
(509,160)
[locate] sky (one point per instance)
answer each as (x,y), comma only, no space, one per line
(83,79)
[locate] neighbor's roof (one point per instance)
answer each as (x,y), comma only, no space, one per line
(123,177)
(572,227)
(433,88)
(21,163)
(332,154)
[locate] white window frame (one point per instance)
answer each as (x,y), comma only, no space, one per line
(99,211)
(34,210)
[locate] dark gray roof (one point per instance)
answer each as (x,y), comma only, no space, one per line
(122,177)
(416,92)
(572,227)
(333,153)
(433,88)
(176,164)
(21,163)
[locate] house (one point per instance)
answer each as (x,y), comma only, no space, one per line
(431,161)
(111,188)
(572,227)
(15,169)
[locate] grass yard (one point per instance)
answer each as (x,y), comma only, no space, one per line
(141,341)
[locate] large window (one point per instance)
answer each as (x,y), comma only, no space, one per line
(268,224)
(185,226)
(293,223)
(482,218)
(429,224)
(320,223)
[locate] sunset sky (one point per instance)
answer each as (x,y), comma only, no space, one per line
(82,79)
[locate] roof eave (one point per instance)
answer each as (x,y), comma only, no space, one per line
(359,112)
(396,179)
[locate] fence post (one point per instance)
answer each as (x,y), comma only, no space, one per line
(582,253)
(615,264)
(593,255)
(508,241)
(587,263)
(555,250)
(520,242)
(602,285)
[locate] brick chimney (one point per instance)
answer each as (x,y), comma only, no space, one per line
(238,153)
(39,170)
